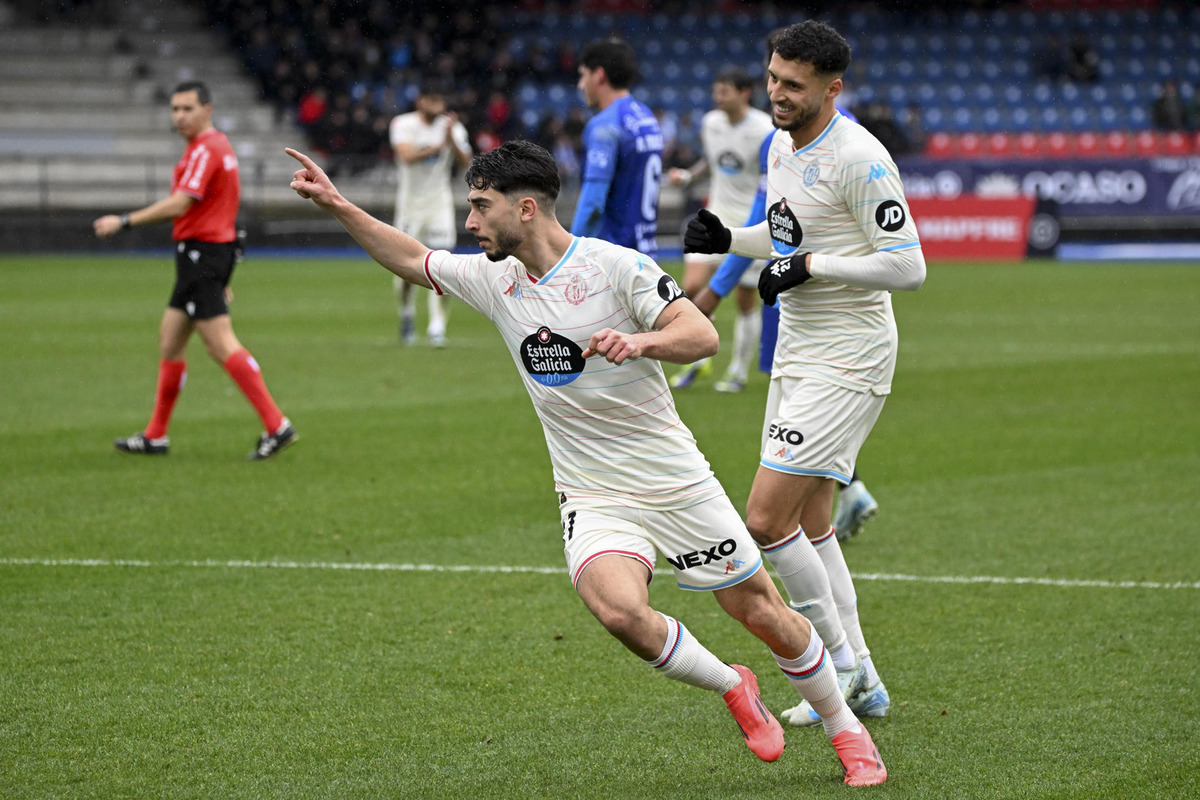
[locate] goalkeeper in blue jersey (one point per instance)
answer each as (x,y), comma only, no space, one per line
(622,143)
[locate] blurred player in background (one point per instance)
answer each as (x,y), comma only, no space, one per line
(203,203)
(622,144)
(587,324)
(732,135)
(841,238)
(428,142)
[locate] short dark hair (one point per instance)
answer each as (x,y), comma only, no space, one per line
(617,58)
(736,77)
(201,90)
(813,42)
(516,167)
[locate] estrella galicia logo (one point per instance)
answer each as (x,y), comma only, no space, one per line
(890,216)
(812,174)
(730,163)
(785,229)
(550,359)
(668,289)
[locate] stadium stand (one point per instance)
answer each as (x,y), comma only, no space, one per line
(1039,79)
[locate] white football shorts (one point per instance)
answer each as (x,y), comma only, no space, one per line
(706,544)
(816,428)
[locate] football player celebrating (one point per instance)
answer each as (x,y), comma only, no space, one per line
(587,323)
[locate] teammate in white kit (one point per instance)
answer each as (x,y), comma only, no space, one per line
(428,143)
(732,135)
(587,323)
(841,236)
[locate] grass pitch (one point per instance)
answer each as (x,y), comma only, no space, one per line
(382,611)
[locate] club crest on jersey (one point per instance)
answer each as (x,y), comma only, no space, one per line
(576,291)
(812,174)
(550,359)
(668,289)
(784,227)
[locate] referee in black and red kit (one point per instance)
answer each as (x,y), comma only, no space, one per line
(203,204)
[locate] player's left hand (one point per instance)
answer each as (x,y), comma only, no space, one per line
(107,226)
(616,347)
(782,274)
(706,234)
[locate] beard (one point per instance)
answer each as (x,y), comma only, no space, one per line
(804,115)
(505,243)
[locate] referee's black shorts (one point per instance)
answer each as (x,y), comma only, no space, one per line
(202,271)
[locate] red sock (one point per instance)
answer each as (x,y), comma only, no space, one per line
(172,375)
(244,370)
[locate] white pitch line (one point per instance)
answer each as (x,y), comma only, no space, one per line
(367,567)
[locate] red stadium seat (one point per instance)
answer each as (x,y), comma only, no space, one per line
(1029,144)
(1117,143)
(940,145)
(999,144)
(1087,144)
(1175,143)
(1146,143)
(1060,144)
(970,145)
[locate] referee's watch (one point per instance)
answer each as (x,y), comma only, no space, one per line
(125,223)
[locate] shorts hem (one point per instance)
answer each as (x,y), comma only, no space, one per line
(813,473)
(746,575)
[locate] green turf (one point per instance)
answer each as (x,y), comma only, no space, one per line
(1044,424)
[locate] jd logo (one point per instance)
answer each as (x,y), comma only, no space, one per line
(668,290)
(782,434)
(890,216)
(714,553)
(550,359)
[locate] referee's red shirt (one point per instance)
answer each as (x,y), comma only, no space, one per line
(208,172)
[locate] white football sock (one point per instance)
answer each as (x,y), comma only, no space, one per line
(803,575)
(842,587)
(814,677)
(684,659)
(746,332)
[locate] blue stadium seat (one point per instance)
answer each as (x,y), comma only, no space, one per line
(1022,119)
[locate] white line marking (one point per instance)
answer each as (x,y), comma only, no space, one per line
(366,567)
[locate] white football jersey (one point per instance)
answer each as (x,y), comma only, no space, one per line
(732,154)
(840,195)
(613,432)
(424,194)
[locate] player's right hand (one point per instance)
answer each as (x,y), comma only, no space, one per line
(311,182)
(706,234)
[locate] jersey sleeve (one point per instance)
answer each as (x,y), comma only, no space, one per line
(875,196)
(642,287)
(198,174)
(461,138)
(399,132)
(467,277)
(601,143)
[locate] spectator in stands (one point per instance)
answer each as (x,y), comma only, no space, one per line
(1169,112)
(913,128)
(1083,62)
(1051,59)
(879,120)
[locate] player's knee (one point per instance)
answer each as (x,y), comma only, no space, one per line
(763,527)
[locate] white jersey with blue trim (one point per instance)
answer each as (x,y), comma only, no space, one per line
(613,432)
(731,149)
(840,195)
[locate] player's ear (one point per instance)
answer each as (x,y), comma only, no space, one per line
(527,208)
(835,87)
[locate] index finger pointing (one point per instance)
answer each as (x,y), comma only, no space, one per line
(303,159)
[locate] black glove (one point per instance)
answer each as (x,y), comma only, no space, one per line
(780,275)
(706,234)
